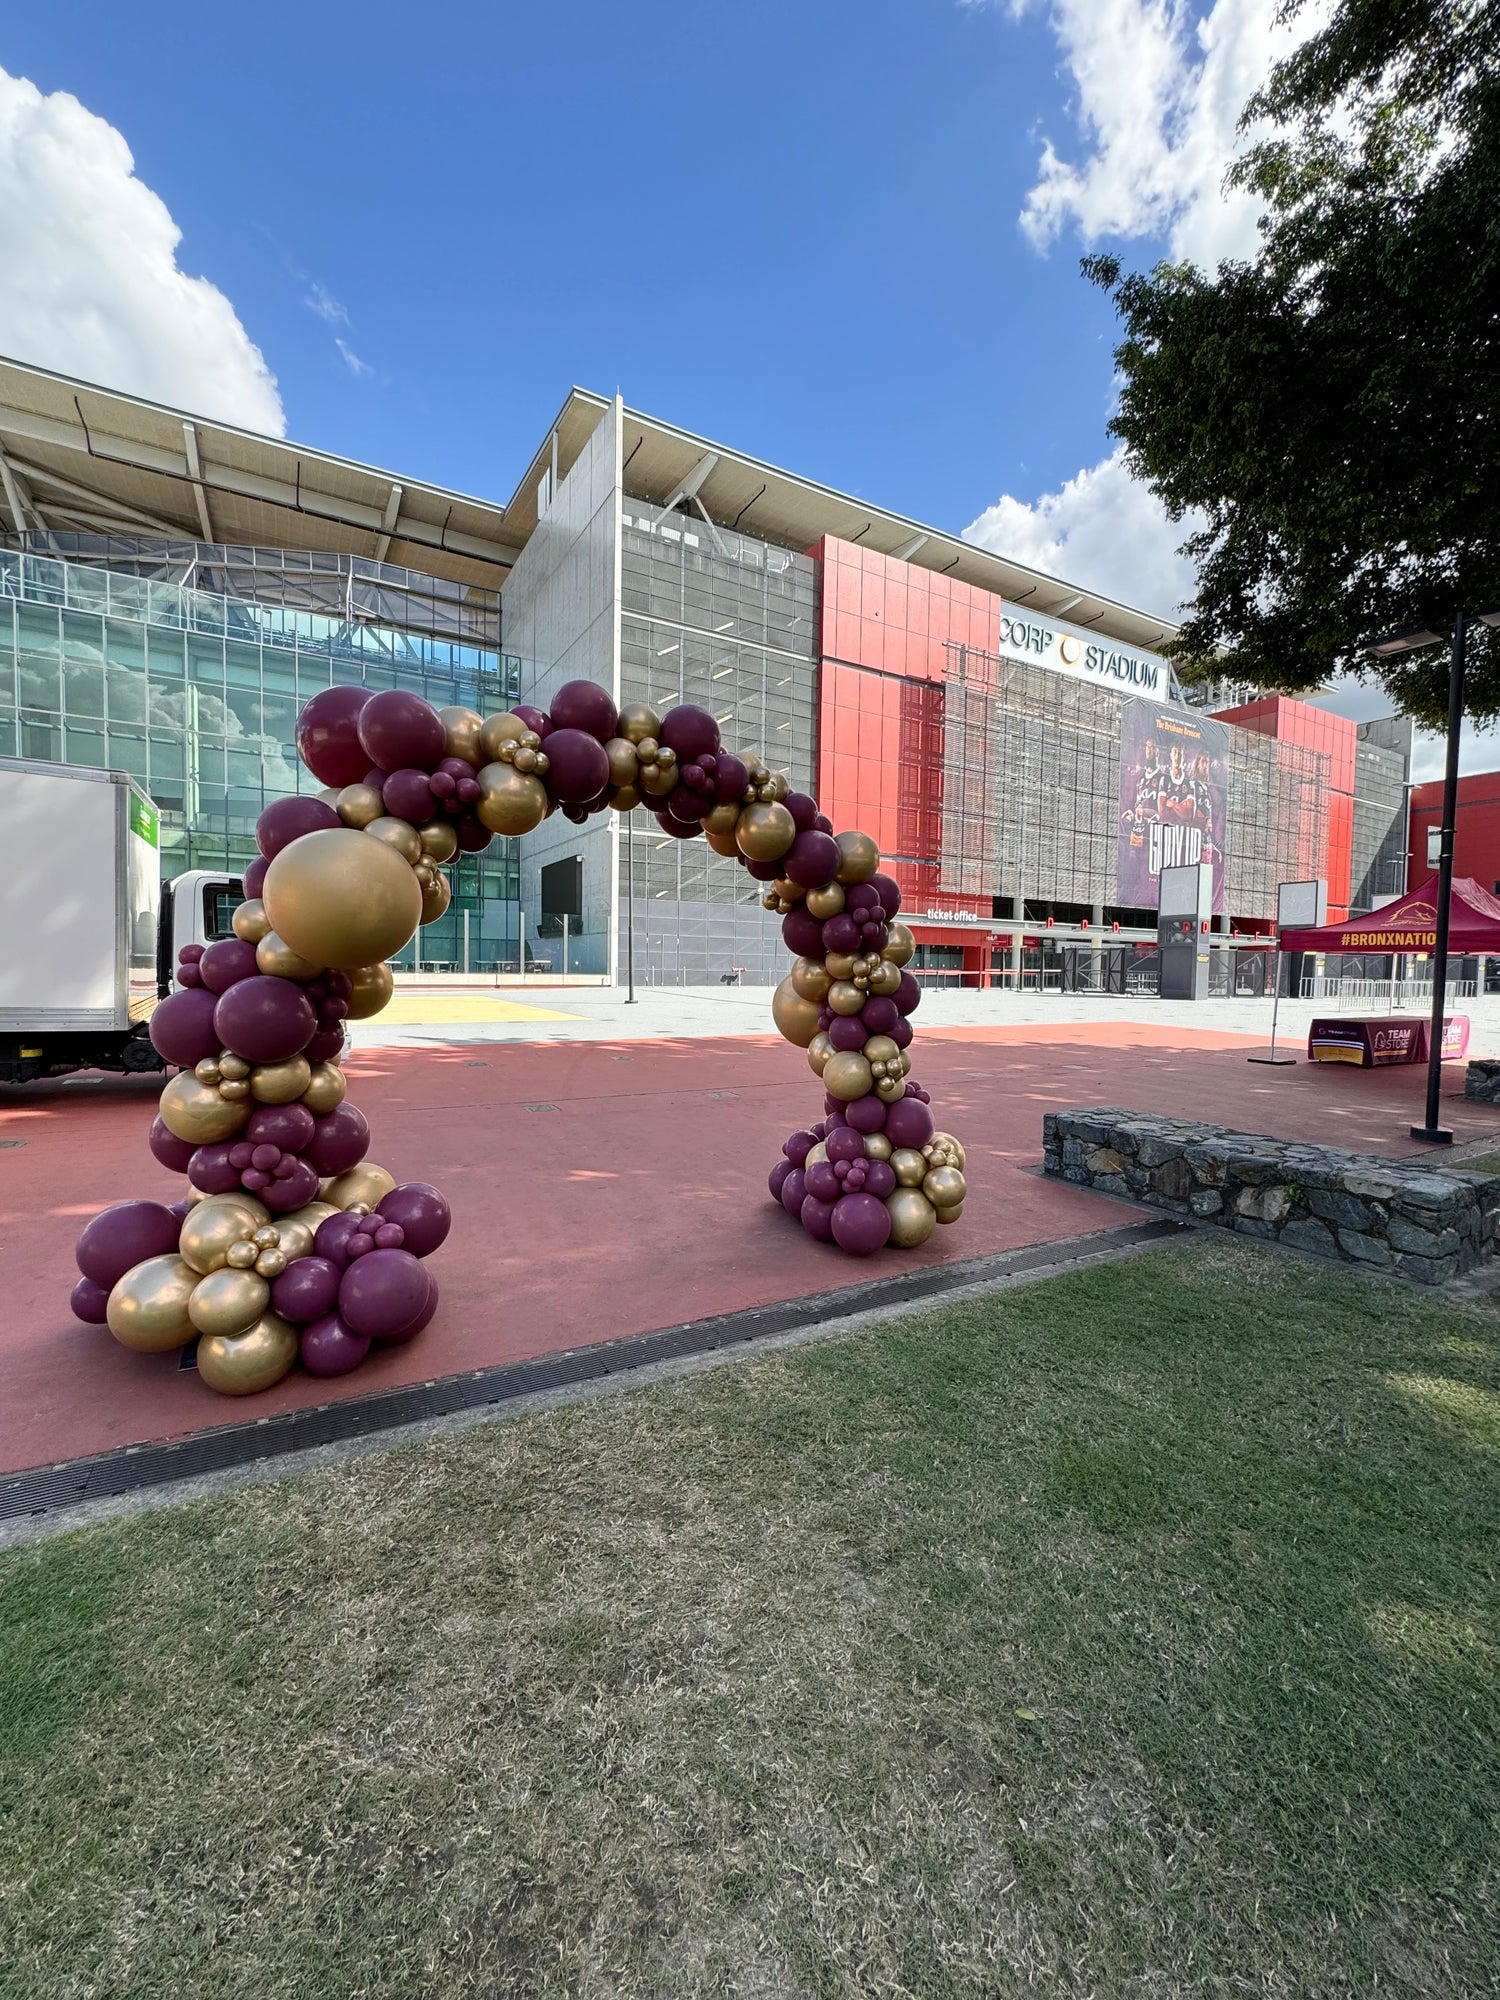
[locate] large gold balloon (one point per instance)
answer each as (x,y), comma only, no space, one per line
(148,1307)
(209,1229)
(309,1216)
(360,805)
(341,898)
(196,1112)
(886,978)
(847,1075)
(723,843)
(901,946)
(510,801)
(826,901)
(436,896)
(228,1301)
(819,1049)
(439,841)
(294,1239)
(371,987)
(638,723)
(462,727)
(250,922)
(877,1146)
(861,857)
(280,1083)
(913,1217)
(880,1049)
(366,1183)
(397,833)
(498,729)
(810,979)
(944,1187)
(240,1364)
(624,798)
(274,956)
(795,1017)
(839,964)
(844,997)
(724,819)
(945,1215)
(623,762)
(909,1167)
(325,1090)
(765,832)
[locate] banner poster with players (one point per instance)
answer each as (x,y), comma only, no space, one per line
(1174,798)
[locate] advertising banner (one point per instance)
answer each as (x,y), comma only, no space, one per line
(1174,799)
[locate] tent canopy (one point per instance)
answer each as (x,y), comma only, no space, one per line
(1410,924)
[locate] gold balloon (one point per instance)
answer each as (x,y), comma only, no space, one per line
(308,1217)
(908,1166)
(861,857)
(623,762)
(397,833)
(438,839)
(277,958)
(325,1089)
(638,723)
(250,921)
(360,805)
(819,1049)
(795,1017)
(847,1075)
(365,1183)
(839,964)
(819,1152)
(765,832)
(886,978)
(228,1301)
(435,899)
(913,1217)
(208,1071)
(372,986)
(271,1263)
(723,843)
(498,729)
(196,1112)
(296,1238)
(810,979)
(658,779)
(877,1146)
(330,795)
(241,1256)
(210,1230)
(844,997)
(945,1215)
(234,1090)
(462,729)
(825,902)
(625,798)
(341,898)
(890,1089)
(510,802)
(724,819)
(901,946)
(280,1083)
(233,1067)
(148,1307)
(944,1187)
(240,1364)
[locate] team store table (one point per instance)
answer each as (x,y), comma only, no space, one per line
(1370,1043)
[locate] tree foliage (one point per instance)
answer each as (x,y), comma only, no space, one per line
(1331,408)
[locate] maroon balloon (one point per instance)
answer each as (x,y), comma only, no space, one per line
(879,1014)
(886,890)
(778,1178)
(802,933)
(798,1146)
(189,975)
(908,995)
(400,730)
(861,1224)
(289,1126)
(255,876)
(793,1191)
(423,1318)
(264,1019)
(691,732)
(174,1153)
(381,1294)
(213,1171)
(534,718)
(847,1032)
(286,820)
(328,736)
(579,767)
(867,1114)
(812,859)
(325,1045)
(584,705)
(731,778)
(844,1143)
(880,1179)
(182,1029)
(901,1033)
(407,795)
(422,1213)
(341,1140)
(817,1218)
(823,1182)
(689,807)
(123,1236)
(473,835)
(90,1302)
(841,933)
(306,1289)
(329,1348)
(295,1190)
(908,1122)
(226,963)
(332,1238)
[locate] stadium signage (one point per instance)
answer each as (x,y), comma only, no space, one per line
(1042,642)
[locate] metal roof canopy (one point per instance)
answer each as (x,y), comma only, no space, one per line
(73,455)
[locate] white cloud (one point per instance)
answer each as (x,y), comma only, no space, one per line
(1103,530)
(322,302)
(351,360)
(89,279)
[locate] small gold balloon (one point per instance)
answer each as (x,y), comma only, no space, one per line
(360,806)
(819,1049)
(342,898)
(365,1184)
(399,834)
(436,897)
(839,964)
(908,1166)
(250,921)
(498,729)
(819,1152)
(810,979)
(325,1089)
(241,1256)
(234,1090)
(462,729)
(881,1049)
(638,723)
(271,1263)
(211,1229)
(847,1075)
(947,1215)
(724,819)
(765,832)
(197,1112)
(658,779)
(623,761)
(860,858)
(371,987)
(885,978)
(280,1083)
(890,1089)
(795,1017)
(844,997)
(723,843)
(944,1187)
(232,1067)
(901,946)
(296,1239)
(148,1307)
(913,1217)
(266,1237)
(523,759)
(241,1364)
(274,956)
(877,1146)
(825,902)
(228,1301)
(510,801)
(438,840)
(208,1071)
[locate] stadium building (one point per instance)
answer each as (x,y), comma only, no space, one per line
(172,589)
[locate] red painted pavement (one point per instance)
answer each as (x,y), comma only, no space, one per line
(602,1189)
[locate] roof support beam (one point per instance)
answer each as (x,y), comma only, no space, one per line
(687,489)
(909,548)
(124,514)
(16,496)
(388,522)
(195,474)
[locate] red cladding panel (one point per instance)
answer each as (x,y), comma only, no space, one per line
(1476,835)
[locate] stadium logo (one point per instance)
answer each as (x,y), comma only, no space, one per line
(1036,640)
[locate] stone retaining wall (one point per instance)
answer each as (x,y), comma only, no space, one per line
(1482,1082)
(1406,1217)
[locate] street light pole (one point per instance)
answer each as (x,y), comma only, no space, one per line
(1431,1131)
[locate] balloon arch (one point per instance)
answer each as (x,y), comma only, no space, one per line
(290,1243)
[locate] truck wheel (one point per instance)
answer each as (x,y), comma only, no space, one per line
(139,1055)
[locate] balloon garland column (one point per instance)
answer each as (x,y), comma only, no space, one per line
(290,1243)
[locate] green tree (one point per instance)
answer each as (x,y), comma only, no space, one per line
(1331,408)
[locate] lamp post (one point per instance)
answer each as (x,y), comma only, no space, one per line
(1410,642)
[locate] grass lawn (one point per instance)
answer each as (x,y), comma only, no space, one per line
(1133,1633)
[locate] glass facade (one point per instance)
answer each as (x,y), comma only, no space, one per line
(195,693)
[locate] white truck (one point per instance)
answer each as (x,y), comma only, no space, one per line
(89,936)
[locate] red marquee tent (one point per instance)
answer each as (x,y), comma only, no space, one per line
(1410,924)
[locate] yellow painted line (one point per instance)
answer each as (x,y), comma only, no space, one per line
(414,1010)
